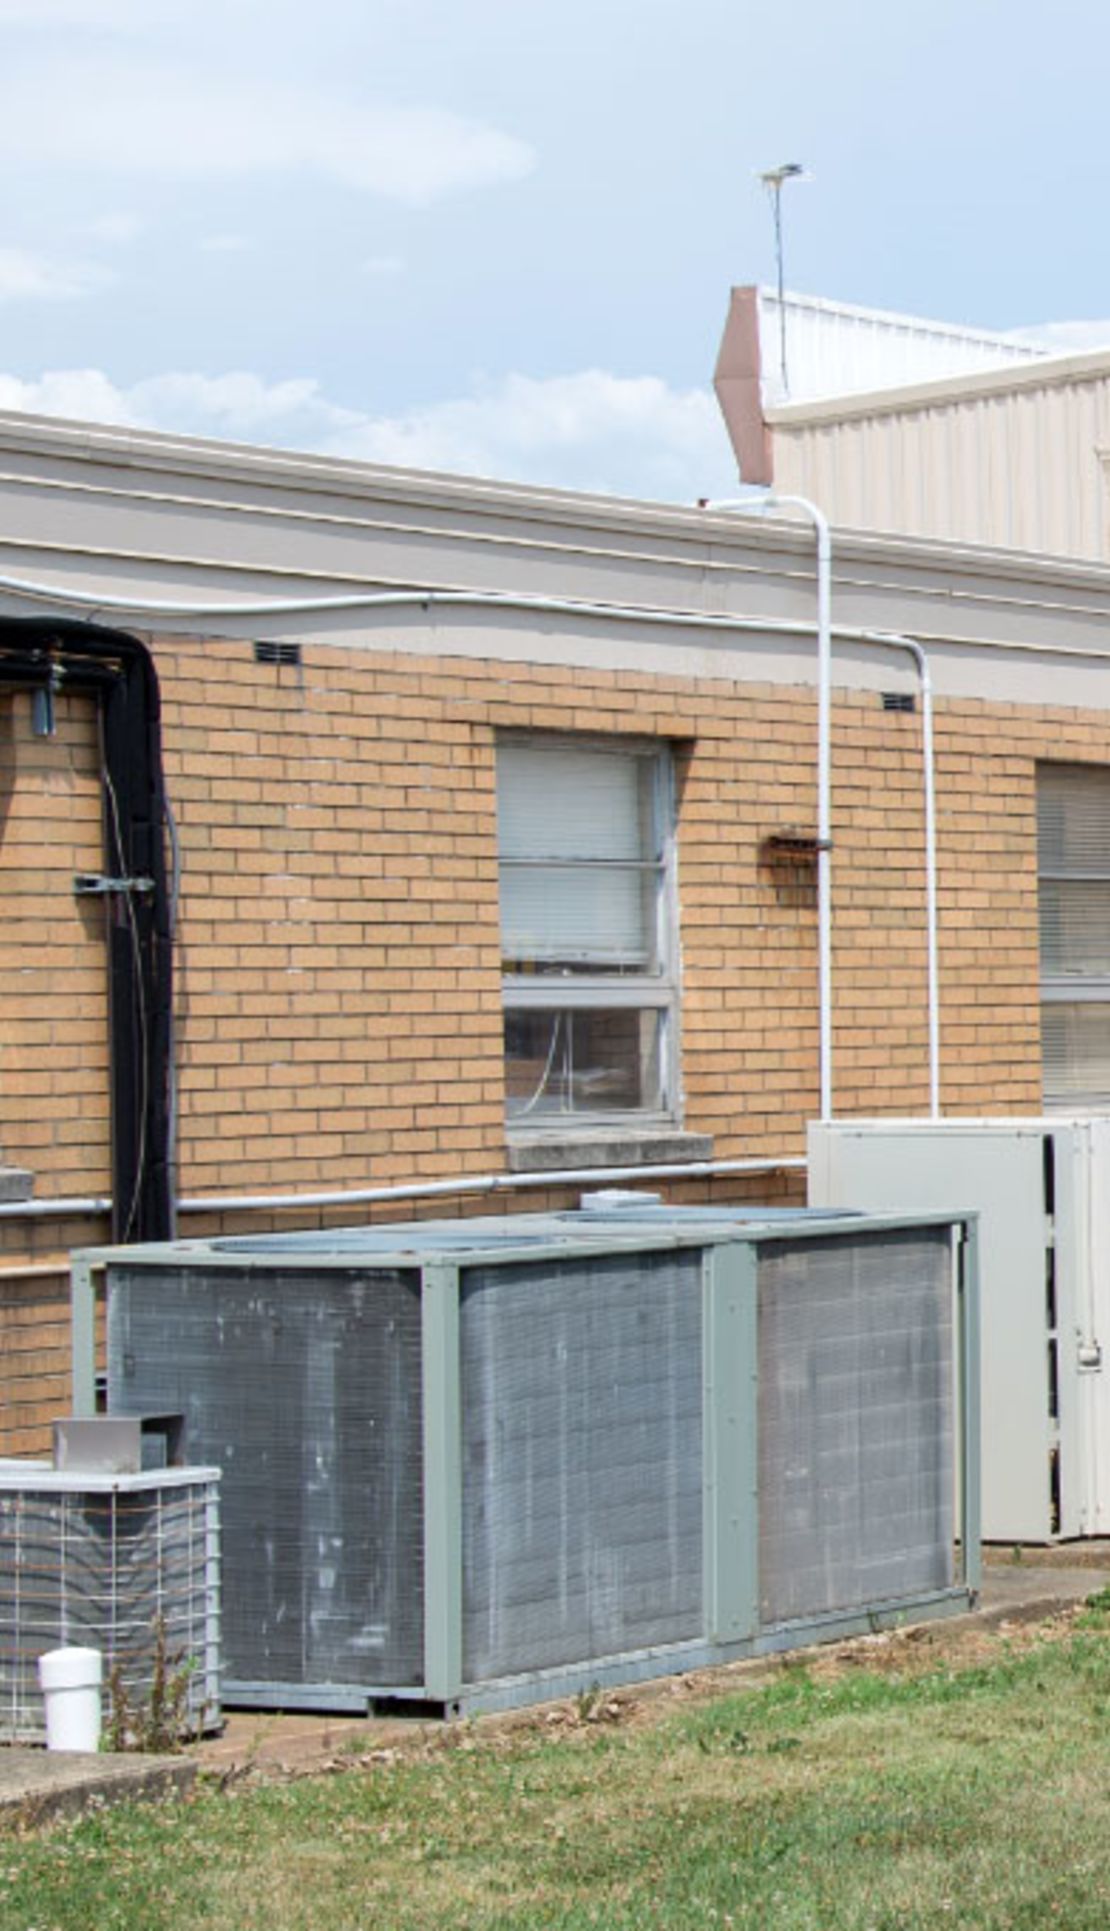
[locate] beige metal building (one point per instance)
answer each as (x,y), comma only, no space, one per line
(905,426)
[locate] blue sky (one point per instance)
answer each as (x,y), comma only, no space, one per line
(498,235)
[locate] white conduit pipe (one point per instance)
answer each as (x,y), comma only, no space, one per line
(897,642)
(423,1189)
(762,506)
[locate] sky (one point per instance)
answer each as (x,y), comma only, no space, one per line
(497,236)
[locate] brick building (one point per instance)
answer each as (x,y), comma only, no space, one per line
(489,849)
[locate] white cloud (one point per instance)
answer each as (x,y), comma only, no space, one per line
(629,436)
(83,395)
(121,115)
(1067,338)
(26,277)
(590,430)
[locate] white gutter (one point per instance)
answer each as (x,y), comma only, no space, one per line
(484,1183)
(762,506)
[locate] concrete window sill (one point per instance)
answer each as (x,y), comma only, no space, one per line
(563,1150)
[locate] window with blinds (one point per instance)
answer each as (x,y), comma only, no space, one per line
(585,850)
(1073,861)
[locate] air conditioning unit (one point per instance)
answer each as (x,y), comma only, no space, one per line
(1041,1188)
(107,1561)
(473,1464)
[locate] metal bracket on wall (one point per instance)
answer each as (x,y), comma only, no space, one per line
(97,885)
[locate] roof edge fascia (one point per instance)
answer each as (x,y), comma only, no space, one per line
(942,392)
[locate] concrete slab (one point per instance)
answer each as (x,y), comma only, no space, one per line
(37,1786)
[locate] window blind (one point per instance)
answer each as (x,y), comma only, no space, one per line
(1073,857)
(580,864)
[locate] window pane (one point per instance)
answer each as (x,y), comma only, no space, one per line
(562,1063)
(1073,818)
(562,801)
(584,917)
(1075,927)
(1076,1042)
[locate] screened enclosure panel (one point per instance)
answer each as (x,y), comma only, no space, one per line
(856,1407)
(304,1388)
(582,1459)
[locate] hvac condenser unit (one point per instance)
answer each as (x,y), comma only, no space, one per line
(1041,1188)
(107,1561)
(479,1463)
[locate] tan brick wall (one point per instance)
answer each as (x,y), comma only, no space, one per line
(53,1011)
(338,974)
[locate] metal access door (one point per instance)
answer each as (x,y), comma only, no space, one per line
(1000,1172)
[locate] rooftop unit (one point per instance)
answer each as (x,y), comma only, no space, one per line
(1041,1188)
(473,1464)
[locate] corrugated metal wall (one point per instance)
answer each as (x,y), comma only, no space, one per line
(1016,467)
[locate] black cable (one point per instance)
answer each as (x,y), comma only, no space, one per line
(116,668)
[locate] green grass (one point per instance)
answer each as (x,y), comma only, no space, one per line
(865,1801)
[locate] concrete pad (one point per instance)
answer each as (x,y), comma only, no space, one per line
(37,1786)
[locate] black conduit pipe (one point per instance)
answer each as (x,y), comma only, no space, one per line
(115,668)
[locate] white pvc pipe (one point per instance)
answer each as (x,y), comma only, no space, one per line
(70,1681)
(67,1209)
(762,506)
(490,1183)
(896,641)
(414,1190)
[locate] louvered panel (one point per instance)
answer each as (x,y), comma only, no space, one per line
(304,1386)
(856,1477)
(582,1460)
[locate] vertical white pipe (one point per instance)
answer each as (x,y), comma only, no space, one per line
(897,641)
(761,506)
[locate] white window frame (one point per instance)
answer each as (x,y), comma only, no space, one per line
(656,990)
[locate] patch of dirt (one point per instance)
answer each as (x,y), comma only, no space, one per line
(963,1643)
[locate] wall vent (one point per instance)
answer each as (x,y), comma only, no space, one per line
(899,701)
(266,653)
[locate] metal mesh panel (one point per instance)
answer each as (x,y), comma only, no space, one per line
(582,1459)
(856,1476)
(102,1570)
(304,1387)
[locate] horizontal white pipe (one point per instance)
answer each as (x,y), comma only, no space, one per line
(488,1183)
(418,1189)
(53,1209)
(560,606)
